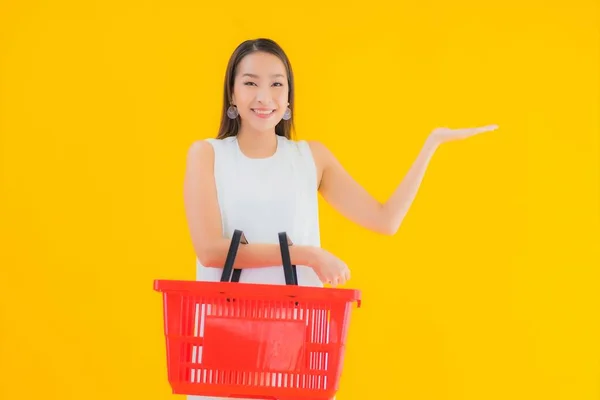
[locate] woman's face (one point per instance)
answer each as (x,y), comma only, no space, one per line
(260,91)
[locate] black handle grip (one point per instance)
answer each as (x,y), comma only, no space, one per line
(289,270)
(233,275)
(228,272)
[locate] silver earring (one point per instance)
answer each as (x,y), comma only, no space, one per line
(232,112)
(287,114)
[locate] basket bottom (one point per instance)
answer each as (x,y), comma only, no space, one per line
(194,397)
(193,393)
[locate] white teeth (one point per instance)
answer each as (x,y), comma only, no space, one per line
(263,112)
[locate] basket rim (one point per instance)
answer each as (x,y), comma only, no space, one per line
(270,291)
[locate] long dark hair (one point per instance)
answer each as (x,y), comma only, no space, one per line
(230,127)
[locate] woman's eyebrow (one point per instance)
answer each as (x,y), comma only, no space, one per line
(256,76)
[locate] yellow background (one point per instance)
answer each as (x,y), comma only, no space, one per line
(489,290)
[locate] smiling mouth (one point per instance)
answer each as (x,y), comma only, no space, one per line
(263,112)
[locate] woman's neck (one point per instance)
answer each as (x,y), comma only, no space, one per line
(257,144)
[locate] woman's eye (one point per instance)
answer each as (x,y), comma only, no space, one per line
(254,84)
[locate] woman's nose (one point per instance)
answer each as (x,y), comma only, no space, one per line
(263,95)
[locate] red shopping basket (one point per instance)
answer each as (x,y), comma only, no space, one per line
(239,340)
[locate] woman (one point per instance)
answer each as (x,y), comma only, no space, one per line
(255,178)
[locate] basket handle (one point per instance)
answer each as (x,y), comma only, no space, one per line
(289,270)
(233,275)
(228,272)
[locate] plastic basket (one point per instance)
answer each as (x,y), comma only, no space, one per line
(239,340)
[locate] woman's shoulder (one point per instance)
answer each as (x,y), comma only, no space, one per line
(207,148)
(314,148)
(211,144)
(220,141)
(305,145)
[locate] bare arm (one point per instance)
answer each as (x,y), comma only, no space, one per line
(397,206)
(350,199)
(204,220)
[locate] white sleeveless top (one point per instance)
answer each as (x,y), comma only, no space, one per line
(263,197)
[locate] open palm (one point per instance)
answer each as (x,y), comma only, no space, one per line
(442,135)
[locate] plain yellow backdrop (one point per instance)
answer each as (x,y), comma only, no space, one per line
(488,291)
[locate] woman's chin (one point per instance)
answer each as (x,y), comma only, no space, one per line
(263,125)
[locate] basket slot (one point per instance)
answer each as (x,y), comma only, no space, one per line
(214,376)
(317,348)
